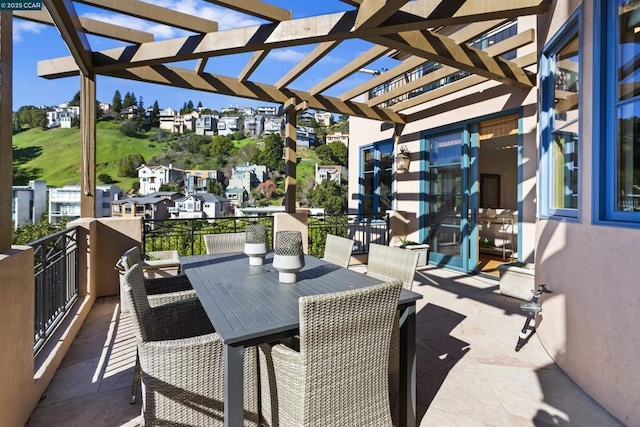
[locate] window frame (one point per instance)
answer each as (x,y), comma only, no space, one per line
(569,30)
(376,148)
(604,136)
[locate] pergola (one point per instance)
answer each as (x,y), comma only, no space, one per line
(417,31)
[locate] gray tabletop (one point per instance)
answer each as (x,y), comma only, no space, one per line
(246,303)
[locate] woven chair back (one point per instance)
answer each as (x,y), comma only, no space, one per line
(337,250)
(224,243)
(389,263)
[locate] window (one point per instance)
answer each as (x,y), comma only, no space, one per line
(376,174)
(560,124)
(617,126)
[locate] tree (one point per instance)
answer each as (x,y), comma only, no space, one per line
(105,178)
(116,103)
(331,196)
(221,148)
(272,154)
(268,188)
(340,153)
(75,101)
(28,233)
(129,128)
(155,115)
(31,116)
(325,154)
(199,105)
(171,186)
(128,165)
(215,187)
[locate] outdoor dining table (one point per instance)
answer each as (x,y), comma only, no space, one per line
(247,305)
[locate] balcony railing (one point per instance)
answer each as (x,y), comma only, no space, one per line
(185,235)
(56,280)
(363,228)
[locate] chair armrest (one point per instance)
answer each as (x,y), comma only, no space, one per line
(160,263)
(158,255)
(163,285)
(282,376)
(171,297)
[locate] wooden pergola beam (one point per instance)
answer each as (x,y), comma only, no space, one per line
(442,49)
(316,29)
(251,66)
(256,8)
(507,45)
(90,26)
(352,67)
(374,12)
(151,12)
(64,15)
(307,62)
(461,36)
(524,61)
(207,82)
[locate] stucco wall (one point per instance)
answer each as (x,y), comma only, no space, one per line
(589,322)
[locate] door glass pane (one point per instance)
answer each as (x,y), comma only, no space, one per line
(628,184)
(445,194)
(368,160)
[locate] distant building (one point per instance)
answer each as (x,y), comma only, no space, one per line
(130,112)
(229,125)
(152,177)
(273,125)
(206,125)
(270,210)
(328,173)
(196,181)
(65,201)
(236,195)
(153,206)
(254,125)
(201,205)
(323,117)
(305,117)
(267,111)
(166,117)
(306,136)
(62,115)
(337,136)
(244,178)
(28,203)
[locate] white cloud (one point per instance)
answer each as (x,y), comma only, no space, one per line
(288,55)
(21,27)
(225,18)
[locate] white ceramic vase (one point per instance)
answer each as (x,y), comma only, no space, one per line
(288,267)
(256,252)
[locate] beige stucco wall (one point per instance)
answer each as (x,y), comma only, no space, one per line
(468,104)
(589,323)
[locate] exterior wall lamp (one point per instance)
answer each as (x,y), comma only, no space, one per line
(403,160)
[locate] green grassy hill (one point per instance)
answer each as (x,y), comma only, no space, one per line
(54,155)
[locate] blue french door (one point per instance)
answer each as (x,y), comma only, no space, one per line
(450,205)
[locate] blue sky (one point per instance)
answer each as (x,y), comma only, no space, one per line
(35,42)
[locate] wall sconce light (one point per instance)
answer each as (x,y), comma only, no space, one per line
(402,159)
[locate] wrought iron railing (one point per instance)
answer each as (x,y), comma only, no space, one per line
(56,281)
(185,235)
(363,228)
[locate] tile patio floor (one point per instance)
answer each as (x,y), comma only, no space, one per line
(468,371)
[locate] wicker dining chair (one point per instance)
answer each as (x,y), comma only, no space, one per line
(339,376)
(224,243)
(337,250)
(181,362)
(160,290)
(390,263)
(158,259)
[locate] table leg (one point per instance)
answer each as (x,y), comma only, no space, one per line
(233,385)
(408,367)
